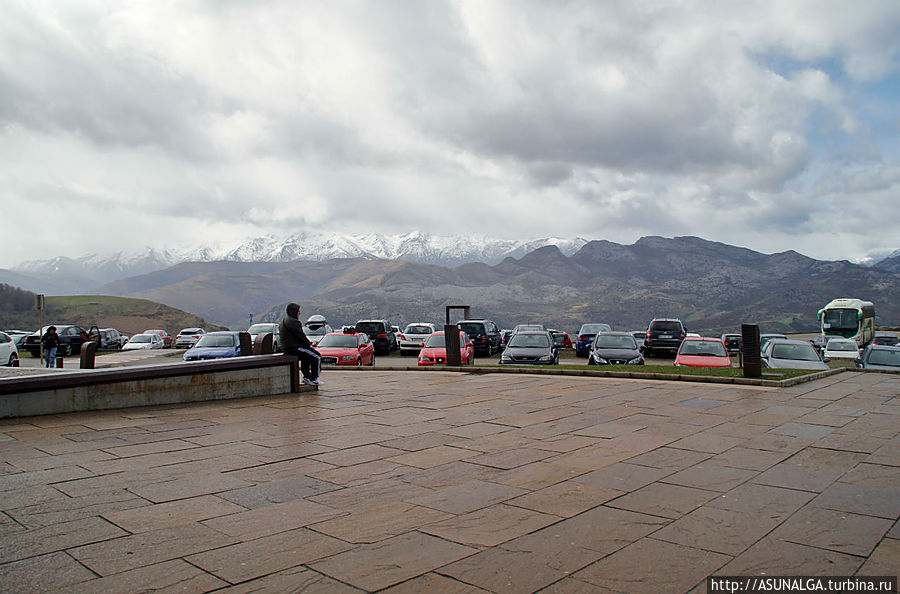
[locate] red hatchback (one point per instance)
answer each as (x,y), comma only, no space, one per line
(349,348)
(435,350)
(696,351)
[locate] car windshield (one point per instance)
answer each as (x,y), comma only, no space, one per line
(665,326)
(594,329)
(794,352)
(703,348)
(411,329)
(339,340)
(886,340)
(316,330)
(435,340)
(529,341)
(216,340)
(841,320)
(370,327)
(884,357)
(615,342)
(840,345)
(141,338)
(198,330)
(472,328)
(260,328)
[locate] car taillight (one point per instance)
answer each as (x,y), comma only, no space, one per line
(582,338)
(649,335)
(682,334)
(483,339)
(381,336)
(401,337)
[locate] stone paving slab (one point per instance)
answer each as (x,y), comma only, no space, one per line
(458,483)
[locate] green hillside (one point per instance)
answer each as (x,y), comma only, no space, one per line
(128,315)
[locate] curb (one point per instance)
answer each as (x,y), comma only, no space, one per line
(739,381)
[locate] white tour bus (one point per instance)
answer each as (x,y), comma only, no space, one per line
(848,318)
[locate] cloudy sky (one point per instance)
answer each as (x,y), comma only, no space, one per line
(165,123)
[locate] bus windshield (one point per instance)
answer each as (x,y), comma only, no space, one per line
(840,320)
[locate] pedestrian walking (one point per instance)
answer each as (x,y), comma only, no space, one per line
(50,341)
(295,342)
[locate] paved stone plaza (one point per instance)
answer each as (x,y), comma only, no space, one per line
(449,482)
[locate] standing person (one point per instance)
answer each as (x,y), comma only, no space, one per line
(51,343)
(295,342)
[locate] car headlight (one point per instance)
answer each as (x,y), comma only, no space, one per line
(546,358)
(425,358)
(348,357)
(505,356)
(601,361)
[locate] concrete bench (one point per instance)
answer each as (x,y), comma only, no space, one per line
(148,385)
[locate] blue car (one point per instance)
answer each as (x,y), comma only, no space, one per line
(215,345)
(586,337)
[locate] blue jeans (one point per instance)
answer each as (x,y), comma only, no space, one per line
(50,354)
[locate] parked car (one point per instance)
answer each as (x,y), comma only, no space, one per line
(188,337)
(214,345)
(639,336)
(346,348)
(110,339)
(71,338)
(791,354)
(257,330)
(586,336)
(615,348)
(380,334)
(530,347)
(702,352)
(886,339)
(315,328)
(484,334)
(879,356)
(840,348)
(732,342)
(144,341)
(167,340)
(561,339)
(435,350)
(505,333)
(9,354)
(765,338)
(664,335)
(18,337)
(413,338)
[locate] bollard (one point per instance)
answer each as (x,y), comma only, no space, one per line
(451,345)
(88,355)
(59,362)
(264,344)
(750,356)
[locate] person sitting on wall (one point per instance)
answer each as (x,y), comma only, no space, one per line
(295,342)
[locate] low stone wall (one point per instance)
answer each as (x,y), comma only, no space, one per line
(147,385)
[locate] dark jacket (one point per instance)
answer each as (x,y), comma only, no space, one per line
(50,340)
(292,336)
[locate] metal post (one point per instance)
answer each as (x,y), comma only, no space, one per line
(451,340)
(750,350)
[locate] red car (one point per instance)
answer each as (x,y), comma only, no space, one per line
(167,340)
(702,352)
(561,339)
(435,350)
(346,348)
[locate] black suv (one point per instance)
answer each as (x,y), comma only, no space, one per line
(484,334)
(380,333)
(664,335)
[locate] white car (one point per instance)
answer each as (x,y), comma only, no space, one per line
(840,348)
(144,342)
(257,330)
(413,338)
(9,354)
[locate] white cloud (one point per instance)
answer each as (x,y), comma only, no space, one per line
(519,118)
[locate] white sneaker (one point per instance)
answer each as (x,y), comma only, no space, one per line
(316,382)
(306,381)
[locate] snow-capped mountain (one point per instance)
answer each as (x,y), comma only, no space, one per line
(62,275)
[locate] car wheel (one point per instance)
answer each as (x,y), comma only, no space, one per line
(372,364)
(67,350)
(359,361)
(591,361)
(13,360)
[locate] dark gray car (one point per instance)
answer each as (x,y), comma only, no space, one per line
(530,348)
(880,357)
(615,348)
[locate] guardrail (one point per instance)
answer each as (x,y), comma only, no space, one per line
(147,385)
